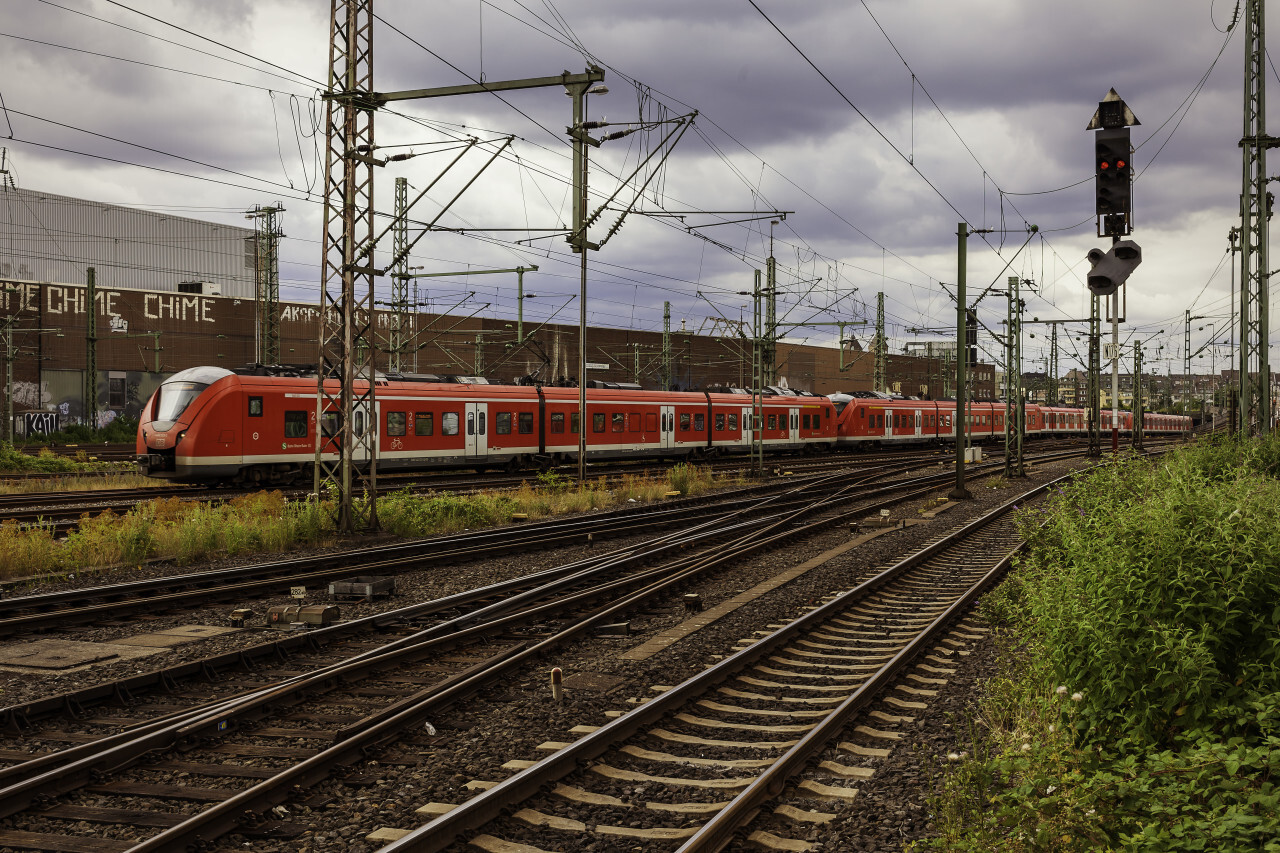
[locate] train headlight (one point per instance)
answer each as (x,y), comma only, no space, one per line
(181,436)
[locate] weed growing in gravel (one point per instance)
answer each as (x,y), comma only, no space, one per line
(407,514)
(48,462)
(27,549)
(186,532)
(1141,706)
(83,483)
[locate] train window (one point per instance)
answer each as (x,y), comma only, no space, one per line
(917,419)
(557,423)
(733,423)
(471,423)
(804,420)
(481,419)
(502,423)
(255,407)
(619,422)
(773,421)
(684,421)
(597,422)
(574,420)
(525,420)
(719,422)
(651,422)
(423,423)
(396,423)
(699,422)
(634,423)
(330,424)
(295,424)
(357,424)
(449,423)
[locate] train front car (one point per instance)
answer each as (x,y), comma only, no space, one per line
(176,431)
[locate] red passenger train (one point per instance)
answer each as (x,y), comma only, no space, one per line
(877,421)
(258,426)
(209,423)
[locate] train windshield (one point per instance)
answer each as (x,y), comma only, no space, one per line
(173,398)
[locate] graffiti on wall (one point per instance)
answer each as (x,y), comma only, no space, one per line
(40,423)
(26,394)
(119,394)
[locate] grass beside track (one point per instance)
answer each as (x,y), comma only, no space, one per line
(1139,708)
(48,462)
(264,522)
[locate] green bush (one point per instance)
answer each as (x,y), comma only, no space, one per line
(1142,710)
(45,462)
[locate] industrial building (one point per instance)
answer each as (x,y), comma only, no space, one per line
(53,238)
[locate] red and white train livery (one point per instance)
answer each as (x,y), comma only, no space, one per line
(259,426)
(209,423)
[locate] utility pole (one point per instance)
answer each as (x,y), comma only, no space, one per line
(880,378)
(345,457)
(396,340)
(770,347)
(91,350)
(1255,210)
(1053,365)
(1093,389)
(9,352)
(666,346)
(1186,357)
(1015,408)
(266,261)
(1137,395)
(962,349)
(577,239)
(757,384)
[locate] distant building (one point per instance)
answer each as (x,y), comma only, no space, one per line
(54,238)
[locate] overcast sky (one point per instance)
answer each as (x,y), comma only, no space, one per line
(882,128)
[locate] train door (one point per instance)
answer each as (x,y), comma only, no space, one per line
(793,424)
(477,430)
(667,424)
(364,431)
(919,423)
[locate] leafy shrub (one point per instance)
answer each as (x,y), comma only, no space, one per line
(1148,598)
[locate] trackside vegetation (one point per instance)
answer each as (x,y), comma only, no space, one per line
(185,532)
(1139,708)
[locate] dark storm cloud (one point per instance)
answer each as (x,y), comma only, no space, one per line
(876,195)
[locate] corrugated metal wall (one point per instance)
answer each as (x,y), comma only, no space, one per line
(47,237)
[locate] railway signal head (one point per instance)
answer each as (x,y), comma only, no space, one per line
(1110,269)
(1114,198)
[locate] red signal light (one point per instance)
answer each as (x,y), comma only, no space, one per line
(1104,165)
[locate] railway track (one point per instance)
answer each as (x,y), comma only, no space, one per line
(732,750)
(30,614)
(53,793)
(60,511)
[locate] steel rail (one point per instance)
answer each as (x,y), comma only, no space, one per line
(391,722)
(484,807)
